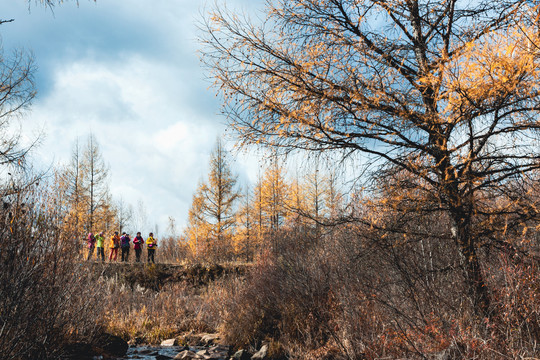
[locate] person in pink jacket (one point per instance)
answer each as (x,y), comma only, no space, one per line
(138,241)
(91,240)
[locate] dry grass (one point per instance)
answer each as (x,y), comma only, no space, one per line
(343,297)
(148,316)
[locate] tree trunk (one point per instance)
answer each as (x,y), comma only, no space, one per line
(477,290)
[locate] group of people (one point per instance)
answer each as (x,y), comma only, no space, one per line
(121,242)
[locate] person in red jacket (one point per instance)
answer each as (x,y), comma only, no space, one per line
(138,241)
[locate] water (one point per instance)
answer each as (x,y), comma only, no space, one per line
(169,352)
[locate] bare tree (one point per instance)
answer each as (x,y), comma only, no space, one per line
(46,300)
(140,217)
(16,93)
(95,181)
(444,93)
(124,215)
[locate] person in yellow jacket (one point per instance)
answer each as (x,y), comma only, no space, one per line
(100,246)
(115,244)
(151,245)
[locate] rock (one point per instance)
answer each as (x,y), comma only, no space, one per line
(207,354)
(241,355)
(147,351)
(169,342)
(209,339)
(261,354)
(163,357)
(219,348)
(187,355)
(111,344)
(191,339)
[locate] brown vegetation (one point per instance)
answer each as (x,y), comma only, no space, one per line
(351,296)
(440,96)
(48,298)
(434,256)
(439,101)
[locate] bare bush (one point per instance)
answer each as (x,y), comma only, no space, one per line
(47,297)
(365,293)
(174,250)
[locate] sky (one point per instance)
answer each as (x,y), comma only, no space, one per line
(128,72)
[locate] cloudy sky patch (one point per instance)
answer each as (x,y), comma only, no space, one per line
(128,72)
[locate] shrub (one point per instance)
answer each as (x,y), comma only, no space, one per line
(47,298)
(356,294)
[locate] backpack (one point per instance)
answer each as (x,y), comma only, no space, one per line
(124,241)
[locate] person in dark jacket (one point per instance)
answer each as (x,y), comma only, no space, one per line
(125,246)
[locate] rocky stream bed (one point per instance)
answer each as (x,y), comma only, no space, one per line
(169,350)
(177,352)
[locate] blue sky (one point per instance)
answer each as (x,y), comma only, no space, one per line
(129,72)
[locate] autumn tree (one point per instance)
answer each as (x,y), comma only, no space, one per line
(316,193)
(246,240)
(335,196)
(274,194)
(444,93)
(258,208)
(85,180)
(197,230)
(95,185)
(322,199)
(70,181)
(213,211)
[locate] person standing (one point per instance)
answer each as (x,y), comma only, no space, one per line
(124,243)
(91,240)
(100,245)
(138,241)
(151,245)
(115,245)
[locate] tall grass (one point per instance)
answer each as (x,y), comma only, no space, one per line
(151,314)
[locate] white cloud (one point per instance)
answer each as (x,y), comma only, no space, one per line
(156,143)
(129,73)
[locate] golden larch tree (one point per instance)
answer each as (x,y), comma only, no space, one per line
(212,216)
(446,93)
